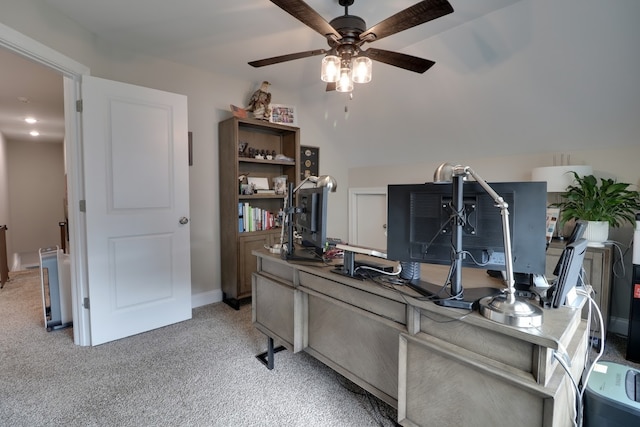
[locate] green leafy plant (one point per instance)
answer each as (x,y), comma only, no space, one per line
(591,199)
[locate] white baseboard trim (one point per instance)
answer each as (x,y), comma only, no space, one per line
(619,325)
(205,298)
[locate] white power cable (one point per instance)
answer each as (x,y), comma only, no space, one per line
(575,386)
(561,355)
(377,270)
(587,373)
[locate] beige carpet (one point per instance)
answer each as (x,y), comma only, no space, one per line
(202,372)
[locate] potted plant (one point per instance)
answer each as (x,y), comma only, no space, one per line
(602,202)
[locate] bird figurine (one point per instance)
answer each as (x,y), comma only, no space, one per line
(260,101)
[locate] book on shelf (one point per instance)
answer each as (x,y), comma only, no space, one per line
(240,217)
(251,218)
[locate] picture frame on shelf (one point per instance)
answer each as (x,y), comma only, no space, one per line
(284,114)
(258,182)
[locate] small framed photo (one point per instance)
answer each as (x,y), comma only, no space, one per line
(284,114)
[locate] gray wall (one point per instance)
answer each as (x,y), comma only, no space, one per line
(36,194)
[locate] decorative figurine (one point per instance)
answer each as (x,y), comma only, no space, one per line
(260,101)
(242,146)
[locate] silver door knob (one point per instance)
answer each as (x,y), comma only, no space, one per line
(184,220)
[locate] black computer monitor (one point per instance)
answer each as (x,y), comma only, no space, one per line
(421,219)
(311,219)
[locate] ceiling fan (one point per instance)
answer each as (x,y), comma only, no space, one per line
(345,58)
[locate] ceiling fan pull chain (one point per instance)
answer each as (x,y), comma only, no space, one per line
(346,107)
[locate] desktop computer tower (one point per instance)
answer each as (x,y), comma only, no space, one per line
(633,338)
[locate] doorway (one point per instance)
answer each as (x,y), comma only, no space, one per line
(368,217)
(71,73)
(130,126)
(34,165)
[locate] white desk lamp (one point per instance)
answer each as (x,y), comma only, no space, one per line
(504,308)
(328,181)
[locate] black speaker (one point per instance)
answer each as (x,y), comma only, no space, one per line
(633,338)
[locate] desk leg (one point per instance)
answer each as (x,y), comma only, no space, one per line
(266,358)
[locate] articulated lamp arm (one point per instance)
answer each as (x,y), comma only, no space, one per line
(505,308)
(506,233)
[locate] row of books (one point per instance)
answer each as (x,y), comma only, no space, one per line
(251,218)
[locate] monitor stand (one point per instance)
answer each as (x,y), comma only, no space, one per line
(469,300)
(302,255)
(350,266)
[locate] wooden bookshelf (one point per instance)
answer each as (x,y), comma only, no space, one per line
(237,262)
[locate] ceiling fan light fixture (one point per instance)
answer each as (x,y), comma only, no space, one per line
(362,68)
(330,69)
(345,84)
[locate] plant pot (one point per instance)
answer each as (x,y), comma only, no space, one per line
(596,233)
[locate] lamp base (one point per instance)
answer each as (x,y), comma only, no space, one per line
(519,312)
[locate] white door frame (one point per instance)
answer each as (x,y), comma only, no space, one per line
(72,73)
(353,207)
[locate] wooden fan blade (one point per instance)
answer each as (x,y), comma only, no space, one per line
(417,14)
(401,60)
(331,86)
(284,58)
(307,15)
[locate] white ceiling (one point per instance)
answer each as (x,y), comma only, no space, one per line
(209,34)
(42,88)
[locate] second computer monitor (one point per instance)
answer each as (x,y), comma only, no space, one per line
(421,217)
(311,218)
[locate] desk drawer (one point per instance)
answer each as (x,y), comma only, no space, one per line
(359,345)
(381,306)
(471,389)
(277,311)
(276,268)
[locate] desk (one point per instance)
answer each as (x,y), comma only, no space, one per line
(437,366)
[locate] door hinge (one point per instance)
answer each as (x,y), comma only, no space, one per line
(79,105)
(85,303)
(83,205)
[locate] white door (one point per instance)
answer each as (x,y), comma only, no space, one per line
(368,217)
(137,208)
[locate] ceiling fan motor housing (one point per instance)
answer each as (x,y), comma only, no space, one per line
(349,27)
